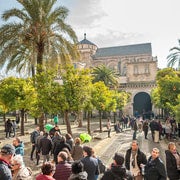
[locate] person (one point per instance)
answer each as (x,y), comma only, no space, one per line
(48,170)
(77,150)
(33,138)
(133,159)
(53,130)
(160,129)
(78,171)
(6,155)
(109,127)
(69,140)
(145,128)
(8,128)
(117,170)
(135,128)
(154,169)
(45,147)
(56,120)
(62,144)
(63,169)
(90,163)
(168,130)
(37,144)
(154,128)
(14,126)
(101,165)
(19,146)
(172,162)
(117,127)
(70,160)
(19,171)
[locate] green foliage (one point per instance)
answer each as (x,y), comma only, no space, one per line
(177,110)
(104,74)
(101,96)
(77,88)
(16,93)
(38,36)
(174,57)
(167,90)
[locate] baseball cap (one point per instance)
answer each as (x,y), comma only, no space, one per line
(8,149)
(119,158)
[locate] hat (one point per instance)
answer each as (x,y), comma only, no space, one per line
(119,158)
(8,149)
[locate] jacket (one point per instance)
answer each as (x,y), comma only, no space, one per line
(171,166)
(44,177)
(34,136)
(81,176)
(116,172)
(77,152)
(63,171)
(45,145)
(91,167)
(5,172)
(141,158)
(19,149)
(25,173)
(155,170)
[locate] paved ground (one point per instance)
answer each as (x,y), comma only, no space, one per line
(104,147)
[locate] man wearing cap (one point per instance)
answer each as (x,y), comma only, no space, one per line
(133,160)
(117,170)
(6,154)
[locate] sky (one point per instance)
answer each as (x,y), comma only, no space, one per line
(109,23)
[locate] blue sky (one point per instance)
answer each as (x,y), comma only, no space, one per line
(121,22)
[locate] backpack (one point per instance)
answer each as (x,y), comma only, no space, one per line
(32,137)
(102,167)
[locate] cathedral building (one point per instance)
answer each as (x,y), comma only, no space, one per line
(135,66)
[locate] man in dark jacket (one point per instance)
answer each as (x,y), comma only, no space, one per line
(6,154)
(117,170)
(46,147)
(33,138)
(155,169)
(133,160)
(172,162)
(90,163)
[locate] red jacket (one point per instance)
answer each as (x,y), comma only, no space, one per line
(44,177)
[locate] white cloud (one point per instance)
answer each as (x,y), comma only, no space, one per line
(122,22)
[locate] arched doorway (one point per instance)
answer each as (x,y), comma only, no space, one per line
(142,105)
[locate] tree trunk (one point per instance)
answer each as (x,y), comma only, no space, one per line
(35,120)
(41,122)
(68,125)
(22,121)
(100,121)
(114,113)
(4,117)
(26,117)
(80,116)
(88,122)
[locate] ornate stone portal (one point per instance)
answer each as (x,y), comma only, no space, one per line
(134,65)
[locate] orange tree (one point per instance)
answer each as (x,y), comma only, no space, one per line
(17,93)
(165,95)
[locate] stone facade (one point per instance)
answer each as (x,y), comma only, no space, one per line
(134,64)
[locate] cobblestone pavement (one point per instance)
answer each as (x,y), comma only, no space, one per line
(104,147)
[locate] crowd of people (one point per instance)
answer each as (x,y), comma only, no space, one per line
(65,158)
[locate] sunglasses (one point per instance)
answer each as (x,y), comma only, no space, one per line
(14,164)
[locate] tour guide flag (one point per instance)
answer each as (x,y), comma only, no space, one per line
(85,137)
(48,127)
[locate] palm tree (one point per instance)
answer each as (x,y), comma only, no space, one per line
(174,57)
(105,74)
(39,36)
